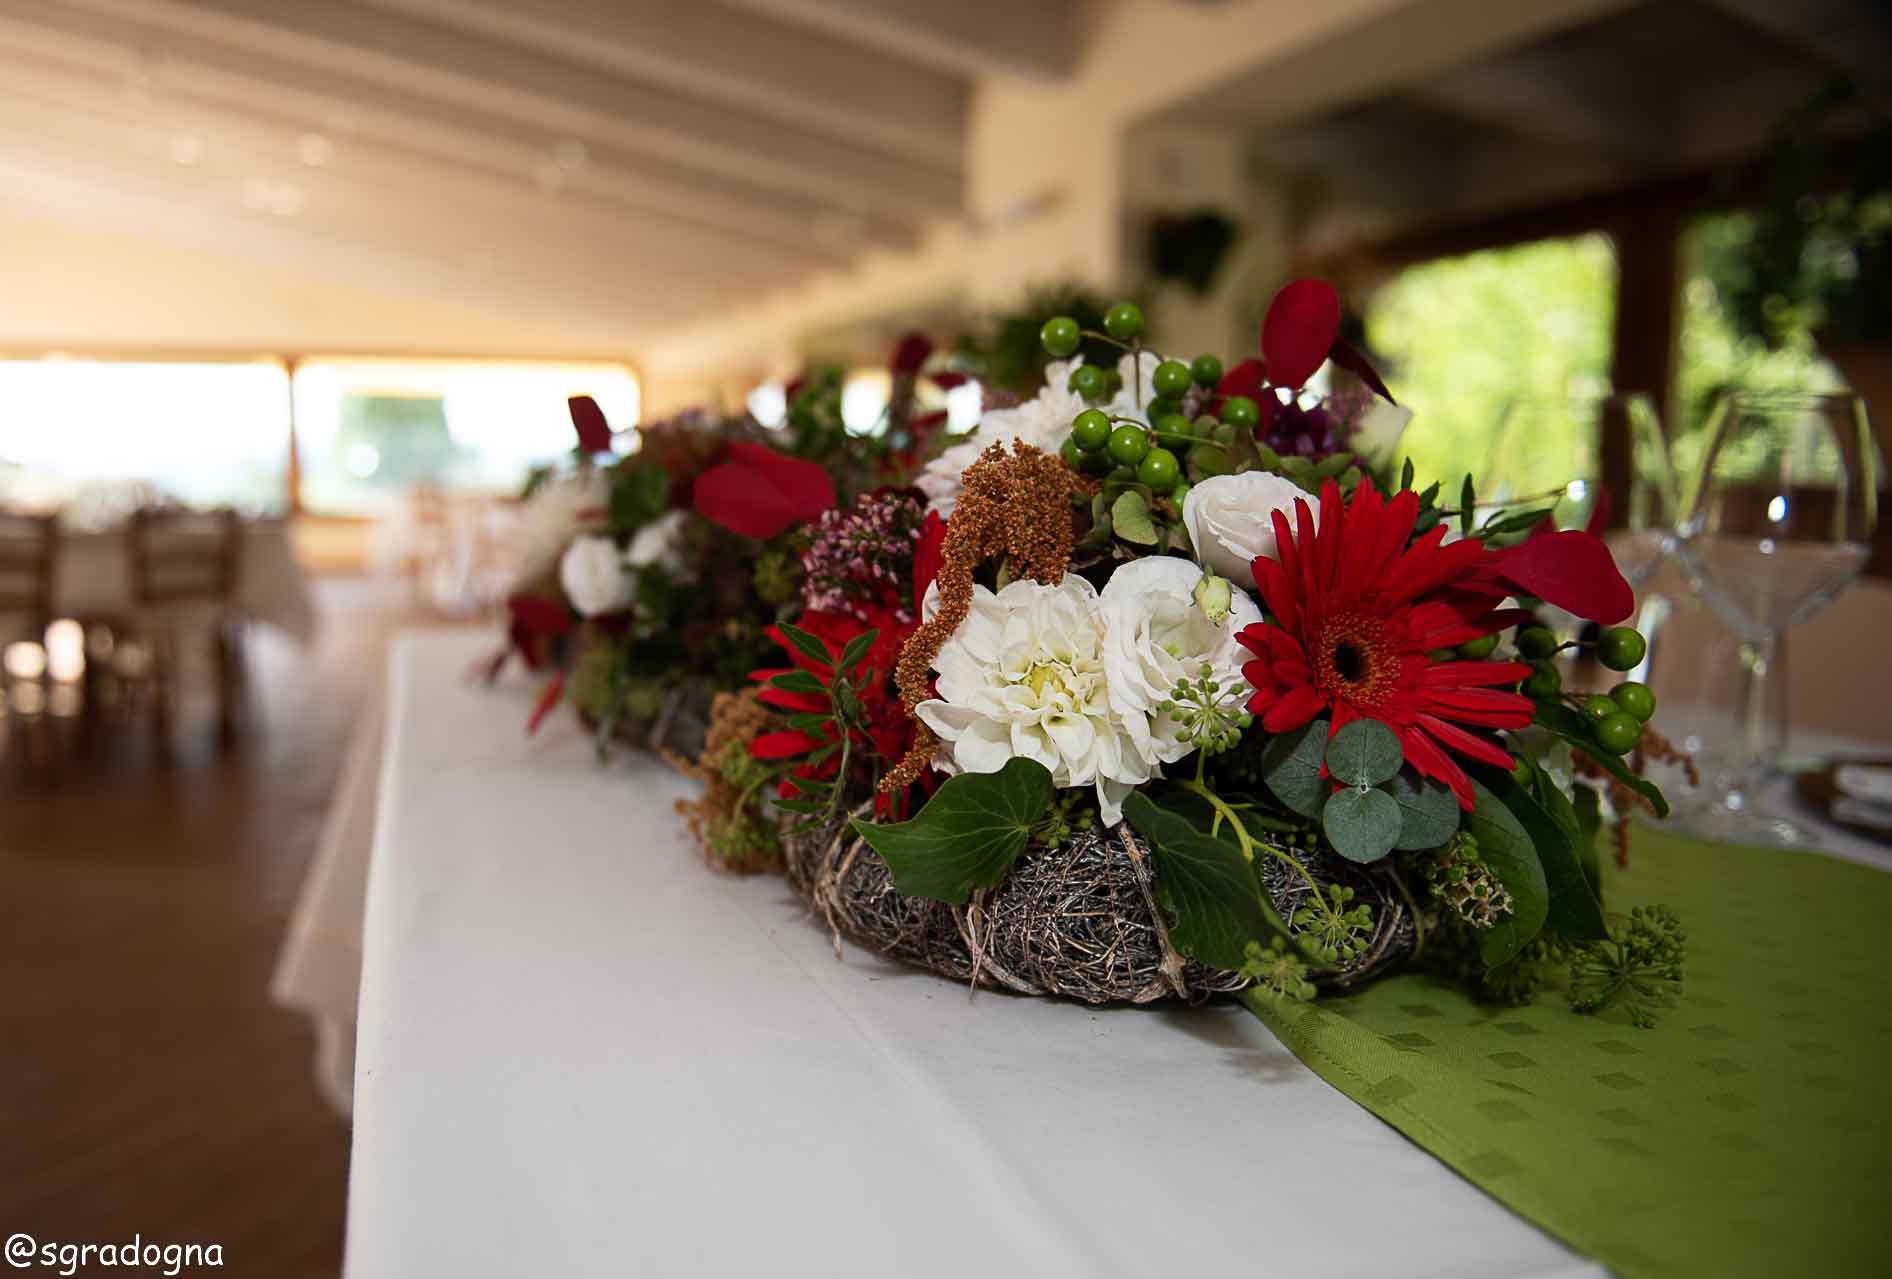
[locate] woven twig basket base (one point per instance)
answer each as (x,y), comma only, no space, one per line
(1078,921)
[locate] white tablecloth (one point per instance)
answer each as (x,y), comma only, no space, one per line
(94,578)
(583,1053)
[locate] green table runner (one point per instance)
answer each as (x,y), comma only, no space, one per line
(1750,1133)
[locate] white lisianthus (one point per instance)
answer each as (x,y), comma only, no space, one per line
(660,542)
(552,516)
(594,577)
(1042,422)
(1230,519)
(1156,634)
(1025,675)
(1376,435)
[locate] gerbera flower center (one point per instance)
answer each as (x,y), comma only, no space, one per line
(1354,658)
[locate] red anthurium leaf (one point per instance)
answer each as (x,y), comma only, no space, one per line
(594,433)
(539,615)
(1599,514)
(1243,379)
(783,745)
(1573,570)
(547,700)
(1353,359)
(910,353)
(759,492)
(927,558)
(1298,331)
(948,381)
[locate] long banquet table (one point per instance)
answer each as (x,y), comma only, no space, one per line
(583,1052)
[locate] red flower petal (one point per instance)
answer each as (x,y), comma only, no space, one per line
(1572,569)
(594,433)
(927,557)
(910,353)
(1351,358)
(547,700)
(1244,379)
(759,492)
(539,615)
(783,745)
(1298,331)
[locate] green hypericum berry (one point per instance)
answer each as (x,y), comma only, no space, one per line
(1124,321)
(1535,643)
(1544,684)
(1521,772)
(1113,381)
(1205,370)
(1088,382)
(1163,406)
(1069,450)
(1159,470)
(1634,699)
(1621,647)
(1597,706)
(1091,429)
(1179,493)
(1441,654)
(1173,424)
(1618,733)
(1171,378)
(1208,459)
(1479,649)
(1127,445)
(1224,434)
(1239,410)
(1060,336)
(1097,463)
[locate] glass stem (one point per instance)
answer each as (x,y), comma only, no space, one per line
(1758,726)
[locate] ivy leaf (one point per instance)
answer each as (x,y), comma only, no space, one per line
(1361,823)
(1291,764)
(1130,519)
(1504,846)
(1364,752)
(1428,812)
(1575,729)
(1589,809)
(1209,889)
(1572,910)
(967,836)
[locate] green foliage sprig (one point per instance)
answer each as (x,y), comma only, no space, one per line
(1638,966)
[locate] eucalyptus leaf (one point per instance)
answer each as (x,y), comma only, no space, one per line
(1572,910)
(1211,892)
(1291,766)
(1575,729)
(1364,752)
(1429,813)
(1362,823)
(967,836)
(1130,519)
(1504,846)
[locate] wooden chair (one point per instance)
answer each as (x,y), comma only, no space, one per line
(29,560)
(185,562)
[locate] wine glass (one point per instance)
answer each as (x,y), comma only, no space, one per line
(1779,521)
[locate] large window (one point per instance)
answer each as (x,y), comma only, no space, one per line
(205,433)
(368,430)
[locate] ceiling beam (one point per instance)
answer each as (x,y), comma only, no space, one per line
(788,72)
(1033,38)
(568,101)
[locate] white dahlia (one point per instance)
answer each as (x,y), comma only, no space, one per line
(1043,422)
(1025,675)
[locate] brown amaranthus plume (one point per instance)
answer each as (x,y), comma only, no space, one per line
(1653,746)
(729,830)
(1016,505)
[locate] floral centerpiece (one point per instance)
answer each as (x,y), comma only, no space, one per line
(1165,683)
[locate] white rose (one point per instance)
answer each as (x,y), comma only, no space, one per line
(1230,519)
(1024,676)
(592,572)
(551,517)
(660,542)
(1155,634)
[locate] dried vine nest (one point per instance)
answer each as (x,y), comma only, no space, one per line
(1079,921)
(680,727)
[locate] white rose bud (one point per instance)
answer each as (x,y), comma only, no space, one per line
(660,542)
(1230,519)
(1213,596)
(592,573)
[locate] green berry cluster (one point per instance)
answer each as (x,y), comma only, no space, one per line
(1640,966)
(1616,720)
(1209,719)
(1279,974)
(1071,811)
(1336,932)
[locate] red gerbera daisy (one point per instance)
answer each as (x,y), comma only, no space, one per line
(1354,612)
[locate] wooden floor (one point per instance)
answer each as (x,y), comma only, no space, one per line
(147,1084)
